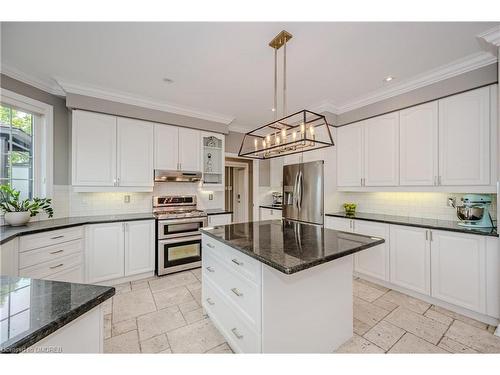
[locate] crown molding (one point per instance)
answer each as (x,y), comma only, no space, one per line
(464,65)
(240,128)
(324,106)
(126,98)
(490,40)
(50,87)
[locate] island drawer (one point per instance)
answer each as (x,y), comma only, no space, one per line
(240,336)
(49,253)
(236,260)
(242,293)
(53,237)
(47,269)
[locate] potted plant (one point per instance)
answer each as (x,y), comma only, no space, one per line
(18,212)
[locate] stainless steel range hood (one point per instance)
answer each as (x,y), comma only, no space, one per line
(176,176)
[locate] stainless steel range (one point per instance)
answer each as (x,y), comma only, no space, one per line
(177,234)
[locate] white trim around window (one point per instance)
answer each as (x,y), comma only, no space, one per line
(44,139)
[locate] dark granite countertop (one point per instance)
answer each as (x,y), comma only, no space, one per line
(272,206)
(217,211)
(448,225)
(32,309)
(289,246)
(7,232)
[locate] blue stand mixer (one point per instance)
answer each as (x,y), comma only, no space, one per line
(474,212)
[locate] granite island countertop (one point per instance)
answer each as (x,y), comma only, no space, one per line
(32,309)
(448,225)
(7,232)
(290,246)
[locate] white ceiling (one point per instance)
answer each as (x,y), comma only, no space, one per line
(226,69)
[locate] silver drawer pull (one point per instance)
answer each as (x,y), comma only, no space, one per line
(237,334)
(210,269)
(59,265)
(56,237)
(56,252)
(210,302)
(237,292)
(236,261)
(210,245)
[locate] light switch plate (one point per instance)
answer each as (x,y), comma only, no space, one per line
(126,198)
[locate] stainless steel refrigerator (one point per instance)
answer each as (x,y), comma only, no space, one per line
(303,192)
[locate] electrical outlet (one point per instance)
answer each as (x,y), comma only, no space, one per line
(126,198)
(210,197)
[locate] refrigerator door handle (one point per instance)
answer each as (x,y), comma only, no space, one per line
(295,187)
(300,190)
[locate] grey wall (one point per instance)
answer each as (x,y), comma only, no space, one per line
(61,125)
(463,82)
(120,109)
(233,142)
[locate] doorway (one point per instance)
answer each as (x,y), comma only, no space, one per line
(238,189)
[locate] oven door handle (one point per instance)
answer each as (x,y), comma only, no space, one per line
(182,221)
(179,239)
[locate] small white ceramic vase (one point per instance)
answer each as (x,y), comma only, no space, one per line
(16,219)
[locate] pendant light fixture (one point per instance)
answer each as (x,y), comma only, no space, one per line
(295,133)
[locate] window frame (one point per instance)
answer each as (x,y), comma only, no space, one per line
(43,130)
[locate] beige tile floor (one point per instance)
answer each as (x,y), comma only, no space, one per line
(164,315)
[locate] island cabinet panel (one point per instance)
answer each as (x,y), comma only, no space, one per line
(492,278)
(374,261)
(9,258)
(459,269)
(410,258)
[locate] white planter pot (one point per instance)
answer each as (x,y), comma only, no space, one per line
(16,219)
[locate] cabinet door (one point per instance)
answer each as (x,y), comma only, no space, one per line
(135,152)
(464,133)
(381,150)
(105,252)
(189,150)
(418,145)
(93,149)
(269,214)
(350,155)
(458,269)
(338,223)
(71,275)
(139,247)
(492,278)
(410,258)
(166,146)
(374,261)
(219,219)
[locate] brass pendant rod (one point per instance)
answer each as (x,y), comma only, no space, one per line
(275,83)
(284,79)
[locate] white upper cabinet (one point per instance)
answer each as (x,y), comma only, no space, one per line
(464,138)
(350,155)
(212,161)
(418,146)
(189,150)
(166,147)
(93,149)
(135,159)
(381,150)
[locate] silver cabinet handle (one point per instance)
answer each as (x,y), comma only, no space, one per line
(237,292)
(237,334)
(56,237)
(59,265)
(236,261)
(210,302)
(426,235)
(210,245)
(56,252)
(430,232)
(210,269)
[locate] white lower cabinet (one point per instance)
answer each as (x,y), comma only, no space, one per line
(120,249)
(492,277)
(219,219)
(374,261)
(410,258)
(270,214)
(458,269)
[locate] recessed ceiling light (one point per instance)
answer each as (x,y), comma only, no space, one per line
(388,79)
(168,80)
(273,109)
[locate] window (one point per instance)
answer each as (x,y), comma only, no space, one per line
(16,149)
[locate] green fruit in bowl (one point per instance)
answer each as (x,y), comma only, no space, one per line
(350,208)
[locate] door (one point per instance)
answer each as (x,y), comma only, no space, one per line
(240,202)
(93,149)
(135,152)
(189,150)
(310,192)
(410,258)
(418,146)
(459,270)
(139,247)
(350,155)
(374,261)
(381,150)
(105,252)
(464,133)
(290,181)
(166,146)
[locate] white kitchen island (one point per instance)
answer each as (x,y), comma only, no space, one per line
(280,286)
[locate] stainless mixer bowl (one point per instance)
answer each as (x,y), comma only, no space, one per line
(467,213)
